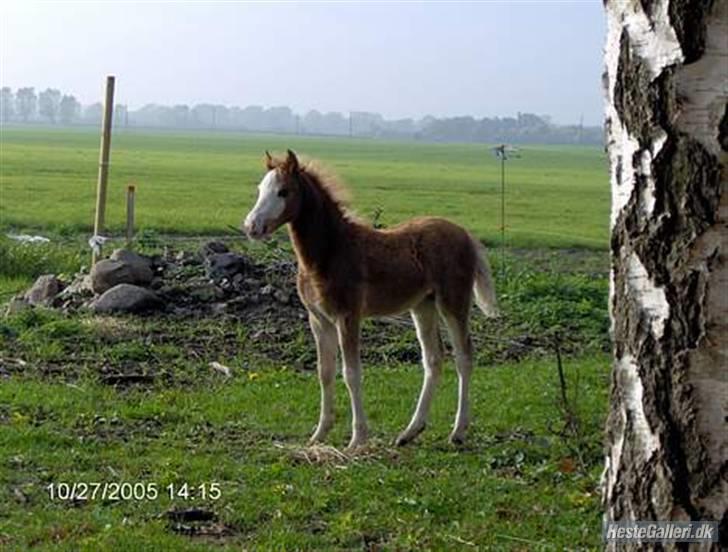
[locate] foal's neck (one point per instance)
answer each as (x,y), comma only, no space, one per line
(318,232)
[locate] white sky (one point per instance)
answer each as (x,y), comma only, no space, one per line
(398,59)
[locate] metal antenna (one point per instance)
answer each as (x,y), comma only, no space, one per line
(504,152)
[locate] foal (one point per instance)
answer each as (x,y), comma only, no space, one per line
(348,271)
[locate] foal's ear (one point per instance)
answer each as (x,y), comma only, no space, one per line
(292,162)
(268,161)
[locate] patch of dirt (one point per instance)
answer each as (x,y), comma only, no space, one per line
(196,522)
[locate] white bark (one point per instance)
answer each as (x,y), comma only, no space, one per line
(667,431)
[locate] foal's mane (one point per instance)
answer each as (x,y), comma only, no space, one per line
(313,174)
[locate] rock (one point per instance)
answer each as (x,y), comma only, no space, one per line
(130,257)
(75,294)
(17,304)
(44,290)
(206,293)
(267,290)
(80,285)
(225,265)
(213,248)
(127,298)
(281,296)
(219,308)
(124,267)
(186,258)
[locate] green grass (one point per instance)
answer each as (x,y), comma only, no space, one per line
(202,182)
(509,483)
(518,483)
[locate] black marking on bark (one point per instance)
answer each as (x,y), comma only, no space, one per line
(632,83)
(723,130)
(648,6)
(687,18)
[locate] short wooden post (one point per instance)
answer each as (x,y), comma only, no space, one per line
(99,220)
(129,215)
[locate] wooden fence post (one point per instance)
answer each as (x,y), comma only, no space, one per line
(99,220)
(129,215)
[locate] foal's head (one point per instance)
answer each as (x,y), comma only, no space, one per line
(279,197)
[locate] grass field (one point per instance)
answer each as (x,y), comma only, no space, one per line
(515,485)
(202,182)
(523,481)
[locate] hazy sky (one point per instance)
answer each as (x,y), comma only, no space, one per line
(398,59)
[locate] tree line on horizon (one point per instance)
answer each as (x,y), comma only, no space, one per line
(50,106)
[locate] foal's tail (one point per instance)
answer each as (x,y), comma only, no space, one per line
(483,287)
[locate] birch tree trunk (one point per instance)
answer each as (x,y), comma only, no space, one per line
(666,88)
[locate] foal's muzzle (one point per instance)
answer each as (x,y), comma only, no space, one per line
(255,229)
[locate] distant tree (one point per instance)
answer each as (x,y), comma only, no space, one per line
(400,128)
(26,103)
(49,103)
(69,109)
(181,115)
(203,116)
(280,119)
(334,123)
(252,117)
(7,104)
(221,117)
(121,115)
(313,122)
(364,123)
(149,115)
(92,113)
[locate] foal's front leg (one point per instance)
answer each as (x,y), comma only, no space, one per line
(348,328)
(324,333)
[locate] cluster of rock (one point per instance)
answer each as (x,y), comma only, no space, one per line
(211,280)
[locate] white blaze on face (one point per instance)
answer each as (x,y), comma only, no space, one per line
(268,208)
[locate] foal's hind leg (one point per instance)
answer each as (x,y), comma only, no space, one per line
(428,334)
(348,329)
(457,325)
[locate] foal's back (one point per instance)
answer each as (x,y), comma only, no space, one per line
(424,256)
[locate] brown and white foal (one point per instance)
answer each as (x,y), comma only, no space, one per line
(348,271)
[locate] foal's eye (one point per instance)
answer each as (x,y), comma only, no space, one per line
(283,193)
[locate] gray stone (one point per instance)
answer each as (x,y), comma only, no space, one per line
(44,290)
(16,305)
(130,257)
(213,248)
(124,267)
(127,298)
(186,258)
(281,296)
(225,265)
(219,308)
(206,293)
(80,285)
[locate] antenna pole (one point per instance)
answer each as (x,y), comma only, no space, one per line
(503,210)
